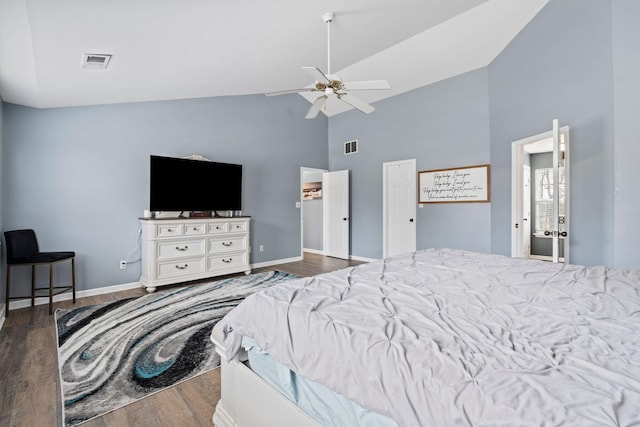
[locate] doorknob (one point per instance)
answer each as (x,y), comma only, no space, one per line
(344,219)
(410,219)
(563,233)
(547,233)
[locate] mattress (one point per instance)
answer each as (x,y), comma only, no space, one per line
(327,407)
(447,337)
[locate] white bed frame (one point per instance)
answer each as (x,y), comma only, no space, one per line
(249,401)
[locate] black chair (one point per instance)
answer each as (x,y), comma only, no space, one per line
(22,249)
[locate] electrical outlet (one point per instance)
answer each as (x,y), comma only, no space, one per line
(261,248)
(123,264)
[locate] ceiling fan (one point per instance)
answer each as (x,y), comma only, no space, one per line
(330,84)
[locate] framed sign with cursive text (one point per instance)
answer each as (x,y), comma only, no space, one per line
(468,184)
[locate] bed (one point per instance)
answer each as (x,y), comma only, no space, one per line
(440,337)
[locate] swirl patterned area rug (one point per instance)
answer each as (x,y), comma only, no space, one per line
(113,354)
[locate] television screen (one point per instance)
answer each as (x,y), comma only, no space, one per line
(194,185)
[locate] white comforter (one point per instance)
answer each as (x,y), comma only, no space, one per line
(451,338)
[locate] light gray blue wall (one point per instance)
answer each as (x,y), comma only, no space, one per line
(442,125)
(312,225)
(626,72)
(312,217)
(80,176)
(559,66)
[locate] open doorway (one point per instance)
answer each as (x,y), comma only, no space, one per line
(540,196)
(311,211)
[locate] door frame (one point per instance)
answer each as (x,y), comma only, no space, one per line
(525,246)
(385,203)
(517,161)
(304,169)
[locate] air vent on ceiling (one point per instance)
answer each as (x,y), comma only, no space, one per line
(351,147)
(96,61)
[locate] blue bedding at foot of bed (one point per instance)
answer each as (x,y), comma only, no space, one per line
(328,407)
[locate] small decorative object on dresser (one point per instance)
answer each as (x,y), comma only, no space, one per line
(180,250)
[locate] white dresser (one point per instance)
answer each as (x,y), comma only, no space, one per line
(180,250)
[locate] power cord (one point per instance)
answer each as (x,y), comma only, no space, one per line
(137,251)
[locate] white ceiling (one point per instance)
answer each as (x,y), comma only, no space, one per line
(200,48)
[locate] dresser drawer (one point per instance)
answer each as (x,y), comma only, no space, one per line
(227,261)
(181,268)
(219,227)
(168,230)
(230,244)
(195,229)
(185,248)
(236,227)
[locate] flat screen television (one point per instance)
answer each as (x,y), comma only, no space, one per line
(194,185)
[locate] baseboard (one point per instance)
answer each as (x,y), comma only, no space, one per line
(79,294)
(353,257)
(126,286)
(276,262)
(363,259)
(313,251)
(18,304)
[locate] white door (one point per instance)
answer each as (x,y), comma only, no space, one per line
(553,211)
(560,194)
(399,207)
(335,186)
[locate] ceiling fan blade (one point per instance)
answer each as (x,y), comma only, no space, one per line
(318,75)
(315,107)
(367,85)
(357,103)
(283,92)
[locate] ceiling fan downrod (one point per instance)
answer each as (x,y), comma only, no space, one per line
(327,18)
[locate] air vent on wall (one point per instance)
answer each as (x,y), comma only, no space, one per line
(351,147)
(96,61)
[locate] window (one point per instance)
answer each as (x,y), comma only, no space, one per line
(544,200)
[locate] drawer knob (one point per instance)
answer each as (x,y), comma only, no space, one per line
(182,267)
(227,244)
(178,248)
(227,260)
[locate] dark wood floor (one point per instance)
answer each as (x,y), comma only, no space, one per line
(30,386)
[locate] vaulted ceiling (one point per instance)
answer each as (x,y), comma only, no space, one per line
(165,49)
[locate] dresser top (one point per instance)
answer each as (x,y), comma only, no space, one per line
(195,218)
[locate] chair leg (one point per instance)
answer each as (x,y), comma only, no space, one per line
(73,278)
(8,290)
(33,285)
(50,288)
